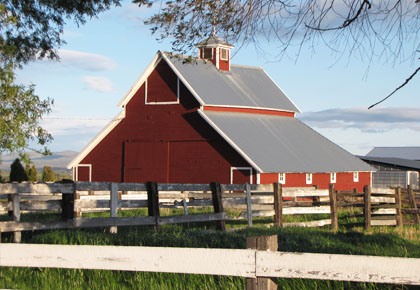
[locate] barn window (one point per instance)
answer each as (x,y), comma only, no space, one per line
(333,177)
(282,178)
(356,176)
(308,178)
(223,54)
(207,53)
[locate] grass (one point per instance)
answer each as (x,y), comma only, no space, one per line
(350,239)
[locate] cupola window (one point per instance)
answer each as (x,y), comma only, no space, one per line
(223,54)
(207,53)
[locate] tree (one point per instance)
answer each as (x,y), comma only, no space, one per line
(372,30)
(29,30)
(47,174)
(31,172)
(17,172)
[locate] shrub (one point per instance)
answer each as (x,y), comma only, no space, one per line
(47,174)
(17,172)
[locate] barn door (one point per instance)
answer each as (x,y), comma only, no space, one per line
(241,175)
(146,161)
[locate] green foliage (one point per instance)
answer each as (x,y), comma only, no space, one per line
(47,174)
(17,172)
(31,172)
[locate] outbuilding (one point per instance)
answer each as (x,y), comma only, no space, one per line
(198,120)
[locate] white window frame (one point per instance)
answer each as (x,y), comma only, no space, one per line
(282,180)
(356,176)
(227,53)
(308,178)
(241,168)
(162,103)
(333,177)
(83,165)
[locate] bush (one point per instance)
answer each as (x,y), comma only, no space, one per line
(48,174)
(17,172)
(32,173)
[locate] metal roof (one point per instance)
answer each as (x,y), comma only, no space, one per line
(399,162)
(283,144)
(412,153)
(240,87)
(213,40)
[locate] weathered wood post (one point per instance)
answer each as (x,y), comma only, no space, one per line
(17,236)
(113,204)
(153,201)
(267,243)
(367,207)
(413,204)
(278,204)
(333,207)
(67,202)
(398,214)
(216,192)
(248,199)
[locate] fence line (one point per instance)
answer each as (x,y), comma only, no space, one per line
(231,262)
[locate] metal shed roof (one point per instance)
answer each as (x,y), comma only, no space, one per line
(409,164)
(243,86)
(412,153)
(283,144)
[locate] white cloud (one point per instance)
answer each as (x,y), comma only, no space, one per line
(368,121)
(58,126)
(100,84)
(84,60)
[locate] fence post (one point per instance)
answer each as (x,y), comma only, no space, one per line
(113,204)
(17,236)
(153,201)
(268,243)
(67,203)
(333,207)
(278,204)
(398,214)
(413,204)
(248,204)
(216,192)
(367,207)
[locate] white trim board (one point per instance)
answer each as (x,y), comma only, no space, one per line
(251,181)
(83,165)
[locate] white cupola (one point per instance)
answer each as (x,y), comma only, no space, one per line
(215,50)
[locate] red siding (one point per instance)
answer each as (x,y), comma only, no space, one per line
(83,173)
(322,180)
(162,84)
(224,64)
(195,153)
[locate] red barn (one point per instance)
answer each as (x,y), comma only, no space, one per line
(198,120)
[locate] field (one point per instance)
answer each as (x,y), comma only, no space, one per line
(383,241)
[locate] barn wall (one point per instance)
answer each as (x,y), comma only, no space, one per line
(190,150)
(322,180)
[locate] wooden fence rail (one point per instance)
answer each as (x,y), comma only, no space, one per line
(228,262)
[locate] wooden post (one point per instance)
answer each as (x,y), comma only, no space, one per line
(185,206)
(77,210)
(113,204)
(153,201)
(67,201)
(248,204)
(333,207)
(278,204)
(367,207)
(413,204)
(268,243)
(17,236)
(398,214)
(216,192)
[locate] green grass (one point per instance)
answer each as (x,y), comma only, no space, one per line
(350,239)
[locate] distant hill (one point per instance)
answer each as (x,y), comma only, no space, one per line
(58,160)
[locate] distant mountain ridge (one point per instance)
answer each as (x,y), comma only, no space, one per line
(58,160)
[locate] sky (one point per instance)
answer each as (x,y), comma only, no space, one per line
(103,58)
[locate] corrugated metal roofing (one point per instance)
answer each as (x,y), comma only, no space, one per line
(412,153)
(242,86)
(409,164)
(213,40)
(284,144)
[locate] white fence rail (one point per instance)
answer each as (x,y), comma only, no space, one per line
(227,262)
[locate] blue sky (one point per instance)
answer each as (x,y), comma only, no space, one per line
(103,58)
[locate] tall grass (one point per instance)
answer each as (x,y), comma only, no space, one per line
(350,239)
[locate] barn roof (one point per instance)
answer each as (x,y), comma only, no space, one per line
(411,153)
(282,144)
(243,86)
(399,162)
